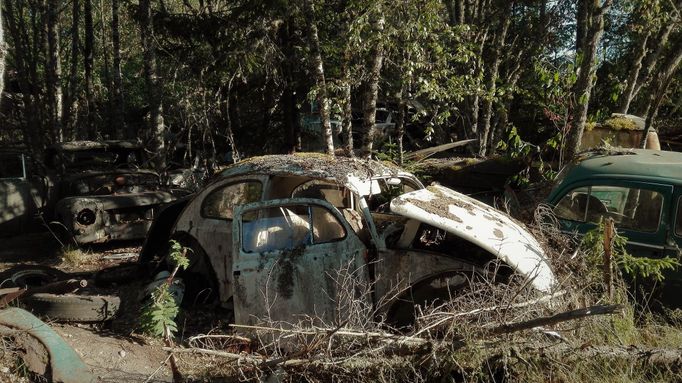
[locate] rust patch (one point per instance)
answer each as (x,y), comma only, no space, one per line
(287,268)
(498,233)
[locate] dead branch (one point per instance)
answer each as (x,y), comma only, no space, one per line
(558,318)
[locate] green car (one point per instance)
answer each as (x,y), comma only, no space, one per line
(640,189)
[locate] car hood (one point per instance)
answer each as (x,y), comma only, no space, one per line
(482,225)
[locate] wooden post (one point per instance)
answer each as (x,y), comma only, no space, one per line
(608,249)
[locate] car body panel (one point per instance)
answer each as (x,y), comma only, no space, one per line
(378,244)
(481,224)
(644,172)
(285,284)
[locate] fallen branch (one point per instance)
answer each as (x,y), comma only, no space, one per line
(380,336)
(558,318)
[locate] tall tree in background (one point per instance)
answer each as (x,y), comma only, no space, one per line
(369,103)
(156,123)
(70,112)
(117,97)
(590,27)
(88,130)
(53,72)
(318,70)
(3,55)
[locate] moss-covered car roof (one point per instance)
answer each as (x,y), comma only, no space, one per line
(634,164)
(347,171)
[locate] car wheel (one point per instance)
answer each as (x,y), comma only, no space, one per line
(72,307)
(26,276)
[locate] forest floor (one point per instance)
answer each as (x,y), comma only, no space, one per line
(610,348)
(113,351)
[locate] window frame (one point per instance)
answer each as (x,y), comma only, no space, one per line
(224,186)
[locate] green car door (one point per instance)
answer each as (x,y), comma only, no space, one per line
(640,210)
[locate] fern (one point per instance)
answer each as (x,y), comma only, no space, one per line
(158,315)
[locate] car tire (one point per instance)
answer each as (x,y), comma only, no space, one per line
(26,276)
(72,307)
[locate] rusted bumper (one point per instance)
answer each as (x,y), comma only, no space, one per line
(99,219)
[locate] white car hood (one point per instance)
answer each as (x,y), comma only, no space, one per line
(482,225)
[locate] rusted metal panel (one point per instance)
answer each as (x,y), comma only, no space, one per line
(289,284)
(65,365)
(482,225)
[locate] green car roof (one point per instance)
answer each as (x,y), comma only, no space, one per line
(654,166)
(632,163)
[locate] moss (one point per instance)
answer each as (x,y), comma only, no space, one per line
(590,125)
(619,123)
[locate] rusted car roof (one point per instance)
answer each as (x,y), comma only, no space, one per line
(343,170)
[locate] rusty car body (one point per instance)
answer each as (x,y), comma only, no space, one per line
(21,192)
(271,234)
(101,191)
(90,192)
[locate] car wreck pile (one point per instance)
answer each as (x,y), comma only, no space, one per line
(328,261)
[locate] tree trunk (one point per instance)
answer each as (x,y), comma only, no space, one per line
(70,112)
(629,91)
(587,73)
(107,126)
(486,135)
(347,112)
(3,55)
(156,123)
(89,127)
(53,72)
(22,55)
(318,70)
(660,85)
(652,59)
(117,105)
(369,106)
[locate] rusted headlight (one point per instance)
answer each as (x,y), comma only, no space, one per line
(86,217)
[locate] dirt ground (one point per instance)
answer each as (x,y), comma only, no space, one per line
(114,351)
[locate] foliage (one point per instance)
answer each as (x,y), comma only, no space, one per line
(638,267)
(158,315)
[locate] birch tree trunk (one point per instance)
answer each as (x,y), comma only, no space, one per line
(89,126)
(117,88)
(369,105)
(587,71)
(156,123)
(318,70)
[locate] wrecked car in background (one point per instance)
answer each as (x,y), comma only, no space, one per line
(270,234)
(640,189)
(22,193)
(101,191)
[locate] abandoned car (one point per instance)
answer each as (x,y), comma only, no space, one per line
(21,193)
(94,191)
(270,235)
(103,193)
(640,189)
